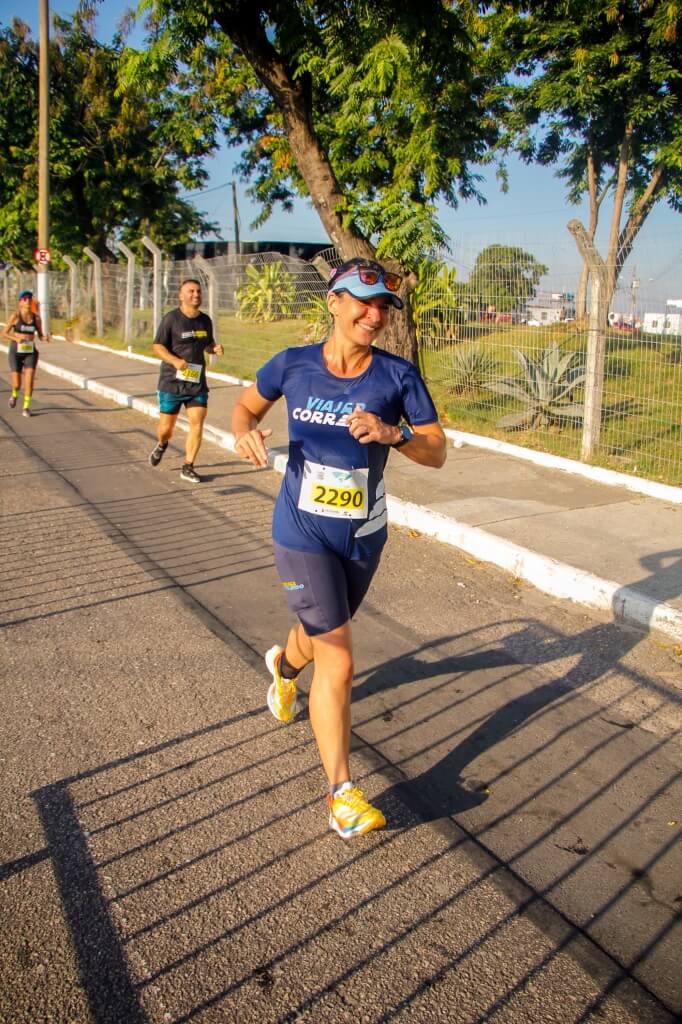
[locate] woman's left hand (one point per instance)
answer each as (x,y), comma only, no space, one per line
(367,426)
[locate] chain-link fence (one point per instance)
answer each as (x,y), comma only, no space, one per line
(507,345)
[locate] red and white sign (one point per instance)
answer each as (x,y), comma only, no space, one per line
(42,255)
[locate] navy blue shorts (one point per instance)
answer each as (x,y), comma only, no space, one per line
(323,590)
(172,404)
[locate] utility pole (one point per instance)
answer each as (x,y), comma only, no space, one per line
(634,285)
(235,214)
(44,165)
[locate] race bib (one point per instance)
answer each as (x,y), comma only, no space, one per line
(191,373)
(25,348)
(338,493)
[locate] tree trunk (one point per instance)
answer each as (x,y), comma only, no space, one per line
(595,205)
(621,241)
(293,96)
(612,269)
(639,212)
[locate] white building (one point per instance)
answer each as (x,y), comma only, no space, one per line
(664,323)
(550,309)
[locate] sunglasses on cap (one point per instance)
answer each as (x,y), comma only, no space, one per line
(370,275)
(25,295)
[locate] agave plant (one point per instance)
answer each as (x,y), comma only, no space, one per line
(471,367)
(546,389)
(267,294)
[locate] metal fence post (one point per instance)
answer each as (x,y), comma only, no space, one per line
(99,300)
(212,294)
(156,284)
(5,291)
(73,286)
(210,277)
(596,340)
(130,284)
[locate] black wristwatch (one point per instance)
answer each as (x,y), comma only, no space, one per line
(405,435)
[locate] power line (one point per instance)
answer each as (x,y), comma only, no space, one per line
(205,191)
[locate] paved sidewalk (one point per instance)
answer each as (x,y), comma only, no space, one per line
(602,545)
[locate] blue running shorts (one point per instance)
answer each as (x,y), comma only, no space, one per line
(323,589)
(172,404)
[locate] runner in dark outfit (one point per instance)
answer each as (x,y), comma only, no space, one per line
(21,330)
(348,404)
(184,335)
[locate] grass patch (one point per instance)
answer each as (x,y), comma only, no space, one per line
(642,415)
(642,423)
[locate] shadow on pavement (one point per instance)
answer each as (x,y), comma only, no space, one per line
(197,877)
(571,778)
(197,883)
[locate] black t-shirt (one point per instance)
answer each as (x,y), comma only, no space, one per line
(187,338)
(28,330)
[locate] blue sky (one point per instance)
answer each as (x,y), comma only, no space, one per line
(532,214)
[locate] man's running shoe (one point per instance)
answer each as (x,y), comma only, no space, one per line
(157,454)
(12,401)
(351,815)
(282,692)
(26,412)
(187,473)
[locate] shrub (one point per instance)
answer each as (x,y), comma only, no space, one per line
(435,301)
(318,319)
(267,294)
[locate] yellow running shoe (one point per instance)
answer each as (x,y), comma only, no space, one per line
(282,693)
(351,815)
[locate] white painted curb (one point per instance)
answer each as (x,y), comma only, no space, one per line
(547,574)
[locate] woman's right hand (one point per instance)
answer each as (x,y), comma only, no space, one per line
(250,445)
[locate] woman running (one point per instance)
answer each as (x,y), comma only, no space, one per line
(348,404)
(21,330)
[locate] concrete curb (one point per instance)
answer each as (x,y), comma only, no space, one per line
(547,574)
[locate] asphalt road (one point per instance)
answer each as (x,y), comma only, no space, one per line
(165,856)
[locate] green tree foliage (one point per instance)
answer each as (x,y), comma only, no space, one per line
(372,111)
(598,91)
(117,160)
(504,277)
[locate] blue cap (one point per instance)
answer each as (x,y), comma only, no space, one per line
(351,283)
(26,295)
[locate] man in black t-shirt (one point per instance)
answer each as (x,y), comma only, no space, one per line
(184,335)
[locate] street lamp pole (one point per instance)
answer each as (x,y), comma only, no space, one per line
(633,299)
(44,162)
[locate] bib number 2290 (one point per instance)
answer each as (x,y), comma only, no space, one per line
(345,497)
(338,493)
